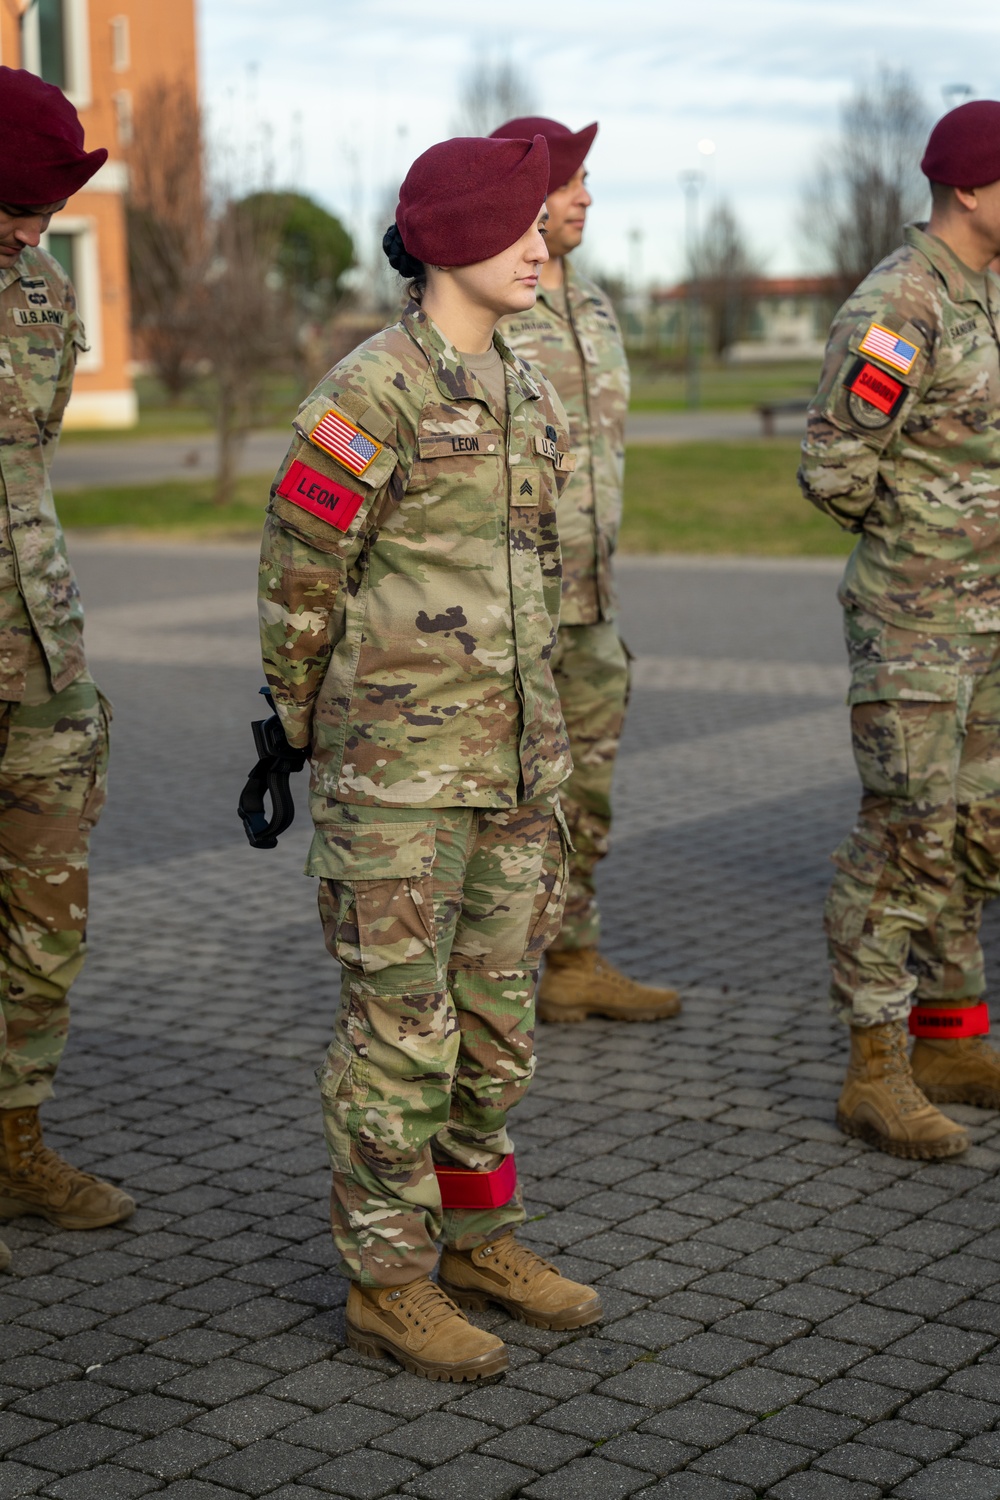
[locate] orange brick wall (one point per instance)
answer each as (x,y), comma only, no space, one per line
(162,44)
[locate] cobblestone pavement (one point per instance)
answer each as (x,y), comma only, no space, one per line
(788,1314)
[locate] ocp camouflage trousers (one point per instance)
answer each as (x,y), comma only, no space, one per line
(904,909)
(590,666)
(53,772)
(439,919)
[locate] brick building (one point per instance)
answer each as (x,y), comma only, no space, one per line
(103,54)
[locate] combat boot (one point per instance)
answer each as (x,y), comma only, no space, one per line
(579,982)
(418,1325)
(36,1180)
(881,1104)
(525,1286)
(4,1256)
(957,1070)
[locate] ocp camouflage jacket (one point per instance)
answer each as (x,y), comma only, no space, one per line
(584,358)
(903,440)
(409,611)
(40,334)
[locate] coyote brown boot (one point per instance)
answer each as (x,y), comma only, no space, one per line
(4,1256)
(957,1070)
(35,1180)
(881,1104)
(578,983)
(418,1325)
(523,1284)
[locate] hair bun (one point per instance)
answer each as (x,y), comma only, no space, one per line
(398,256)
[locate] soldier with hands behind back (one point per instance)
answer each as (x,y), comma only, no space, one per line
(572,336)
(903,447)
(409,595)
(53,720)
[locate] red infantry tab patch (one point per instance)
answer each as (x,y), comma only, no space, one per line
(877,388)
(320,496)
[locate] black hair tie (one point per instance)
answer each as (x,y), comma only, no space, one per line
(398,256)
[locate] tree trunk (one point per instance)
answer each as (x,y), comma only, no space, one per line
(229,435)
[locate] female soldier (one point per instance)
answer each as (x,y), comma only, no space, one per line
(409,590)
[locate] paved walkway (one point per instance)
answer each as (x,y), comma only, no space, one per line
(788,1314)
(126,461)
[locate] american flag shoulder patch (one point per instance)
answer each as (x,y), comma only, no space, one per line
(345,442)
(881,343)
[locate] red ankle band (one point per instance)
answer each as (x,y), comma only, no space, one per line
(461,1187)
(950,1020)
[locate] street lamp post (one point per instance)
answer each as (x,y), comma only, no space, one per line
(691,183)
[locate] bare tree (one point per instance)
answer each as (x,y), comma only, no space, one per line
(247,323)
(724,268)
(868,184)
(166,223)
(492,91)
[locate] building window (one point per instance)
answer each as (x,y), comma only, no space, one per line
(72,241)
(52,42)
(63,248)
(121,52)
(56,45)
(122,101)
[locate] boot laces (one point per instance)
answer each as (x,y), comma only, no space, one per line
(898,1076)
(39,1162)
(423,1304)
(522,1264)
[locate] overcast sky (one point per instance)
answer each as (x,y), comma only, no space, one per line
(349,93)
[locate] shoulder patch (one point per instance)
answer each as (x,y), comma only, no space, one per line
(312,491)
(881,343)
(873,397)
(345,442)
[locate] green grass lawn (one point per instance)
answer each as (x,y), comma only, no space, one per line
(180,508)
(735,498)
(659,385)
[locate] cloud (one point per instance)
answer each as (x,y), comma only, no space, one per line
(366,86)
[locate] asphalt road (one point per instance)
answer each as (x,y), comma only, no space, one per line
(129,461)
(788,1314)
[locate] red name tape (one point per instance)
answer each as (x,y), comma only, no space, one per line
(322,497)
(462,1188)
(876,387)
(950,1020)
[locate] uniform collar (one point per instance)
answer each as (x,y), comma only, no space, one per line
(560,306)
(453,380)
(962,282)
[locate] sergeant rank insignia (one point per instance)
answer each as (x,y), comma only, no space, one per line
(881,343)
(345,442)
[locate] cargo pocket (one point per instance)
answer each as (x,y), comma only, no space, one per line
(376,892)
(97,792)
(550,897)
(879,695)
(860,864)
(336,1087)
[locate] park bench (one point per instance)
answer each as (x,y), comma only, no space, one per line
(769,410)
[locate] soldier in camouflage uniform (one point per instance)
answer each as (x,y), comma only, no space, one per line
(572,336)
(409,593)
(53,720)
(903,447)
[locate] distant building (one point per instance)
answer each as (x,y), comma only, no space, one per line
(103,54)
(774,318)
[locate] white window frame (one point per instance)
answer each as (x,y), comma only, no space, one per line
(76,23)
(121,99)
(87,282)
(121,44)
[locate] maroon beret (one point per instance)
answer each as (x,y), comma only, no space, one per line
(467,199)
(42,159)
(964,148)
(567,152)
